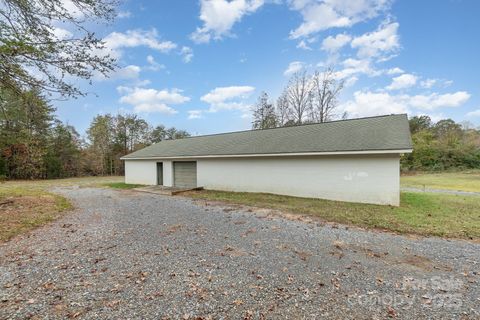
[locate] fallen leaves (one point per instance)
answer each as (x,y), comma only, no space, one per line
(303,255)
(174,228)
(237,302)
(391,312)
(233,252)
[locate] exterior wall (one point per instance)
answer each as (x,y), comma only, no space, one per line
(366,179)
(141,172)
(355,178)
(145,172)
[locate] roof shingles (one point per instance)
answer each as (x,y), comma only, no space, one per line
(365,134)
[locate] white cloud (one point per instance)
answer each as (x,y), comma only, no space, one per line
(195,114)
(222,94)
(367,103)
(353,67)
(428,83)
(152,100)
(371,103)
(187,54)
(403,81)
(124,14)
(376,43)
(293,67)
(320,15)
(474,113)
(142,83)
(61,34)
(219,16)
(228,98)
(72,9)
(303,45)
(116,41)
(395,70)
(154,65)
(435,100)
(128,72)
(333,44)
(125,73)
(351,81)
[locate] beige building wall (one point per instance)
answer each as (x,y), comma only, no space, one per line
(145,172)
(354,178)
(366,179)
(141,172)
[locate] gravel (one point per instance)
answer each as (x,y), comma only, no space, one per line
(132,255)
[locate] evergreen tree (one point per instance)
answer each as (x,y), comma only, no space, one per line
(264,116)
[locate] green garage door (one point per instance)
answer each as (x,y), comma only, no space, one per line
(185,174)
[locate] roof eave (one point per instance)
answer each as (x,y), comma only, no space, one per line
(286,154)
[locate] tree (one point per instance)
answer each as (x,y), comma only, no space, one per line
(24,123)
(325,90)
(180,134)
(158,134)
(447,129)
(63,156)
(443,145)
(173,133)
(418,123)
(131,133)
(161,133)
(299,94)
(282,110)
(100,136)
(264,113)
(36,51)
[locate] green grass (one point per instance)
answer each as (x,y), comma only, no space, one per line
(461,181)
(30,204)
(420,213)
(122,185)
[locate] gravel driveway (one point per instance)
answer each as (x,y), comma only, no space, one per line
(129,255)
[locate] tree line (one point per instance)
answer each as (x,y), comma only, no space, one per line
(313,98)
(307,98)
(444,145)
(34,144)
(45,46)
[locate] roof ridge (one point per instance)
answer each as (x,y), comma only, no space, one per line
(294,126)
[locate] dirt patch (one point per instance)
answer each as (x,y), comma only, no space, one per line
(424,263)
(418,261)
(19,214)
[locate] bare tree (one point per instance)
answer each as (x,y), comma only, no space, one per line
(282,109)
(36,52)
(298,95)
(325,90)
(306,99)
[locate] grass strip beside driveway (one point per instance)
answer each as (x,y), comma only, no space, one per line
(23,208)
(425,214)
(459,181)
(122,185)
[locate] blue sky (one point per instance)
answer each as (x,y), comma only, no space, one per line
(200,65)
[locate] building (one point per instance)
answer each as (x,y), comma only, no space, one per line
(355,160)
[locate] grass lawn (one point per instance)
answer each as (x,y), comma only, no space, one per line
(122,185)
(420,213)
(25,205)
(462,181)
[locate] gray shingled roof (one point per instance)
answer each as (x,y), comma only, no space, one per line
(366,134)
